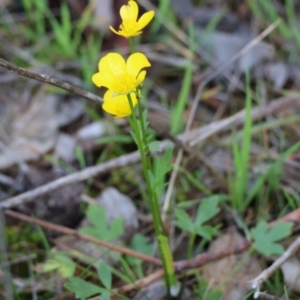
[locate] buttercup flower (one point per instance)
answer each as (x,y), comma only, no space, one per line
(120,76)
(118,105)
(130,26)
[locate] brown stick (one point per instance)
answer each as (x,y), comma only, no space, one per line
(195,262)
(204,258)
(85,237)
(51,80)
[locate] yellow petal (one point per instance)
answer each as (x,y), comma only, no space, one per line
(136,62)
(114,31)
(118,105)
(145,20)
(129,11)
(102,79)
(113,64)
(141,77)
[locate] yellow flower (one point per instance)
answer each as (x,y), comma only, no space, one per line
(118,105)
(120,76)
(130,26)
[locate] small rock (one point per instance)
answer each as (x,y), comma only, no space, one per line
(91,131)
(291,274)
(278,73)
(218,274)
(92,253)
(157,291)
(118,205)
(65,147)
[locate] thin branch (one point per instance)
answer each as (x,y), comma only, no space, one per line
(196,262)
(139,284)
(259,280)
(202,133)
(204,258)
(50,80)
(85,237)
(71,178)
(265,296)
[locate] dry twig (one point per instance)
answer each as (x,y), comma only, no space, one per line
(200,133)
(85,237)
(259,280)
(50,80)
(195,262)
(139,284)
(265,296)
(71,178)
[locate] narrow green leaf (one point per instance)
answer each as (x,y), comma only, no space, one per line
(207,210)
(104,274)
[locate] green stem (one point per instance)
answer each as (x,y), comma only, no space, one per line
(191,245)
(146,148)
(131,45)
(143,128)
(142,144)
(145,164)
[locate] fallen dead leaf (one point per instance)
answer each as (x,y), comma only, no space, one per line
(291,274)
(231,274)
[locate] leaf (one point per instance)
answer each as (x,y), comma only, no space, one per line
(140,244)
(183,220)
(116,228)
(99,229)
(265,237)
(206,231)
(104,274)
(155,146)
(62,263)
(105,296)
(82,288)
(207,210)
(205,291)
(162,165)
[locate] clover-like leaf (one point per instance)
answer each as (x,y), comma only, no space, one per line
(265,238)
(82,288)
(206,210)
(60,262)
(99,229)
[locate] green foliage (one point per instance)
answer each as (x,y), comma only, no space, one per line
(272,174)
(140,244)
(105,275)
(179,106)
(167,259)
(99,229)
(161,166)
(206,210)
(241,158)
(82,288)
(164,9)
(65,39)
(205,292)
(60,262)
(265,238)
